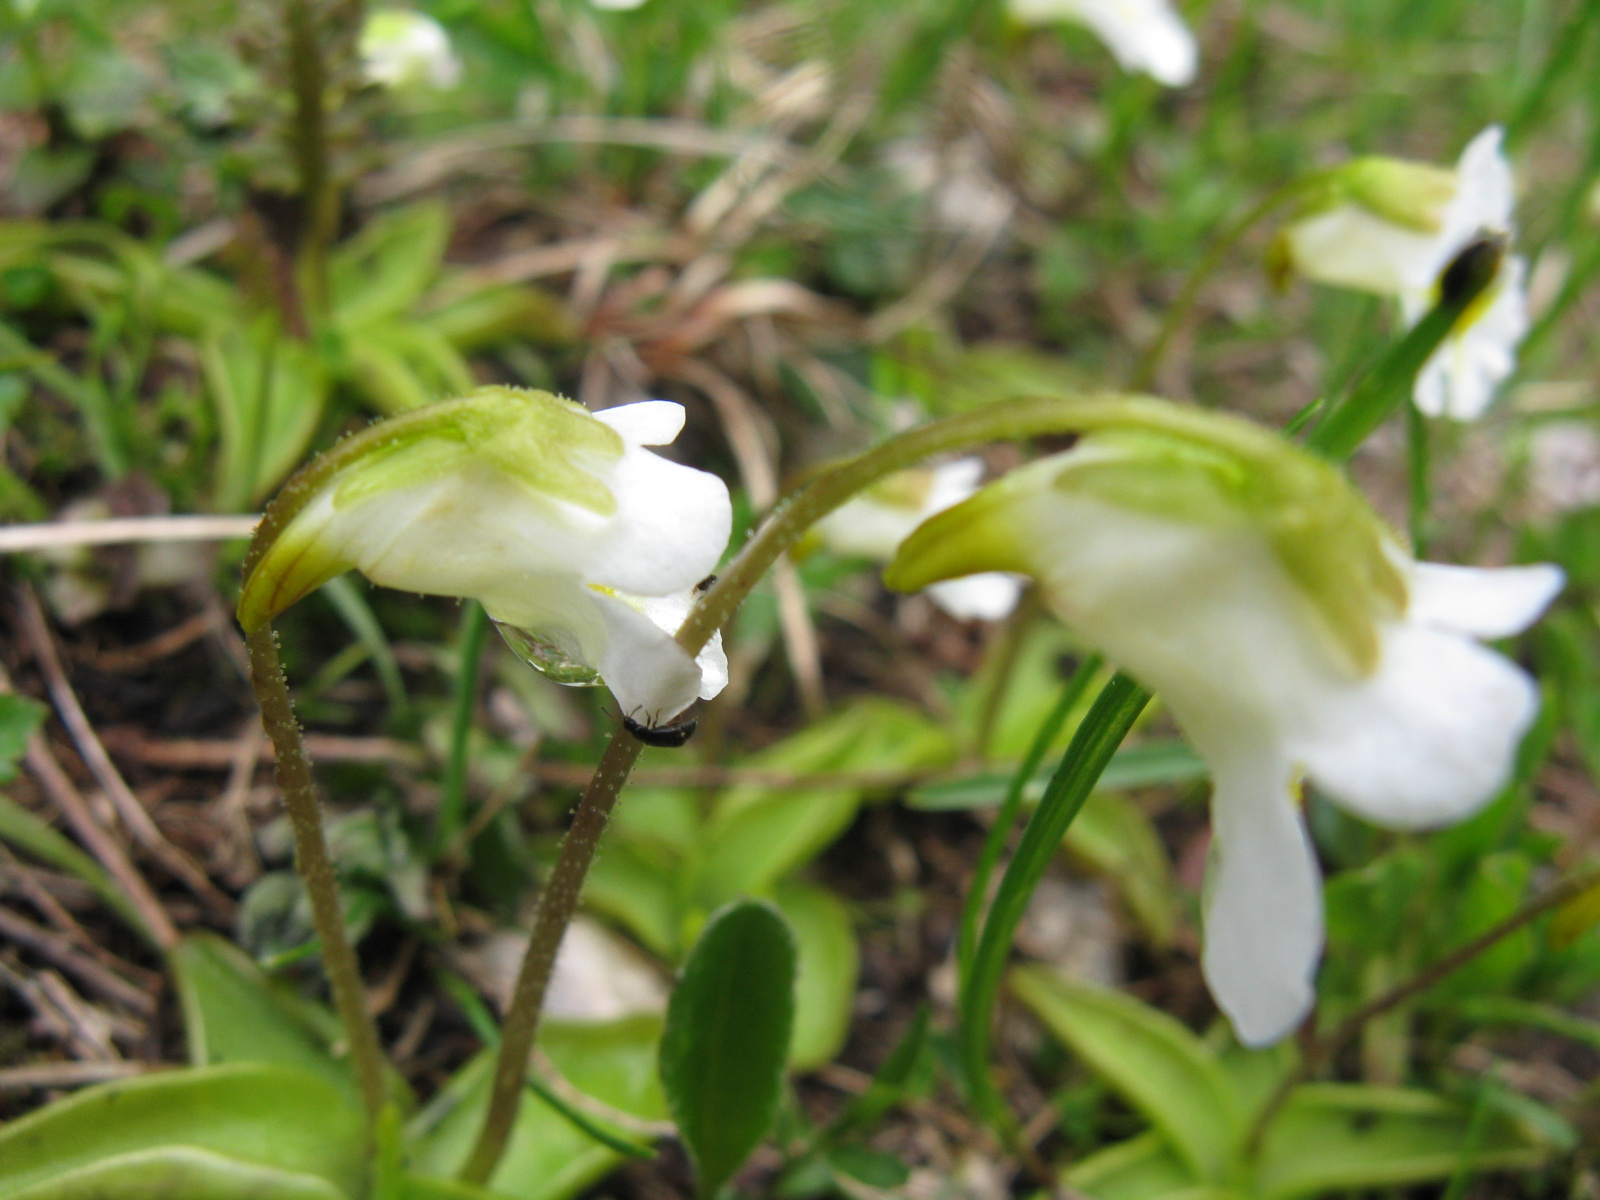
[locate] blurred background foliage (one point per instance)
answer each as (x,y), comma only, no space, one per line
(812,223)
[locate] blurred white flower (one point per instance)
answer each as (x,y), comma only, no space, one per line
(1143,35)
(1289,634)
(873,524)
(1392,227)
(400,48)
(584,547)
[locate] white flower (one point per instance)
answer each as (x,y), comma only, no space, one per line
(1144,35)
(1393,227)
(584,547)
(400,48)
(1288,633)
(873,524)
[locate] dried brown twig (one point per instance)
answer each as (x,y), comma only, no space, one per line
(132,813)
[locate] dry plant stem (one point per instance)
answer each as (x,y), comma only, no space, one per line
(1323,1050)
(132,813)
(315,867)
(557,902)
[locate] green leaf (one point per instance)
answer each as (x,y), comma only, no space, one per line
(384,270)
(1157,1065)
(178,1173)
(548,1157)
(825,987)
(1348,1137)
(1149,764)
(728,1028)
(19,718)
(893,1079)
(757,836)
(262,1116)
(1113,835)
(1142,1168)
(631,886)
(1096,739)
(233,1013)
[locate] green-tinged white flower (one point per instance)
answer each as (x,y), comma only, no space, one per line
(1143,35)
(873,524)
(400,48)
(1388,226)
(1289,634)
(584,547)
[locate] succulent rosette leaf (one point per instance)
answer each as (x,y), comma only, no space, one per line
(583,546)
(1291,636)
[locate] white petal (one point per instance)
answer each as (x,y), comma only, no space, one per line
(1429,738)
(1461,378)
(953,482)
(1484,602)
(1349,246)
(652,677)
(990,596)
(1263,903)
(1485,189)
(1143,35)
(669,613)
(670,529)
(647,423)
(864,527)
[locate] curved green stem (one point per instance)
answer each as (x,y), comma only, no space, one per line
(995,843)
(1149,364)
(315,866)
(1009,420)
(1116,708)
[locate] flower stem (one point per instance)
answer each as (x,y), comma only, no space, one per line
(1150,362)
(557,902)
(311,858)
(1322,1050)
(308,81)
(452,797)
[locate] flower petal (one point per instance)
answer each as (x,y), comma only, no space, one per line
(1429,738)
(1461,378)
(652,677)
(671,526)
(647,423)
(1484,602)
(990,596)
(1143,35)
(1348,246)
(1263,904)
(669,614)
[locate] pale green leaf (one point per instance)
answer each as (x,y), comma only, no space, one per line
(1354,1137)
(1157,1065)
(265,1116)
(825,987)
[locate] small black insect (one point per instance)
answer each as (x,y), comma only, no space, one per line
(666,736)
(705,584)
